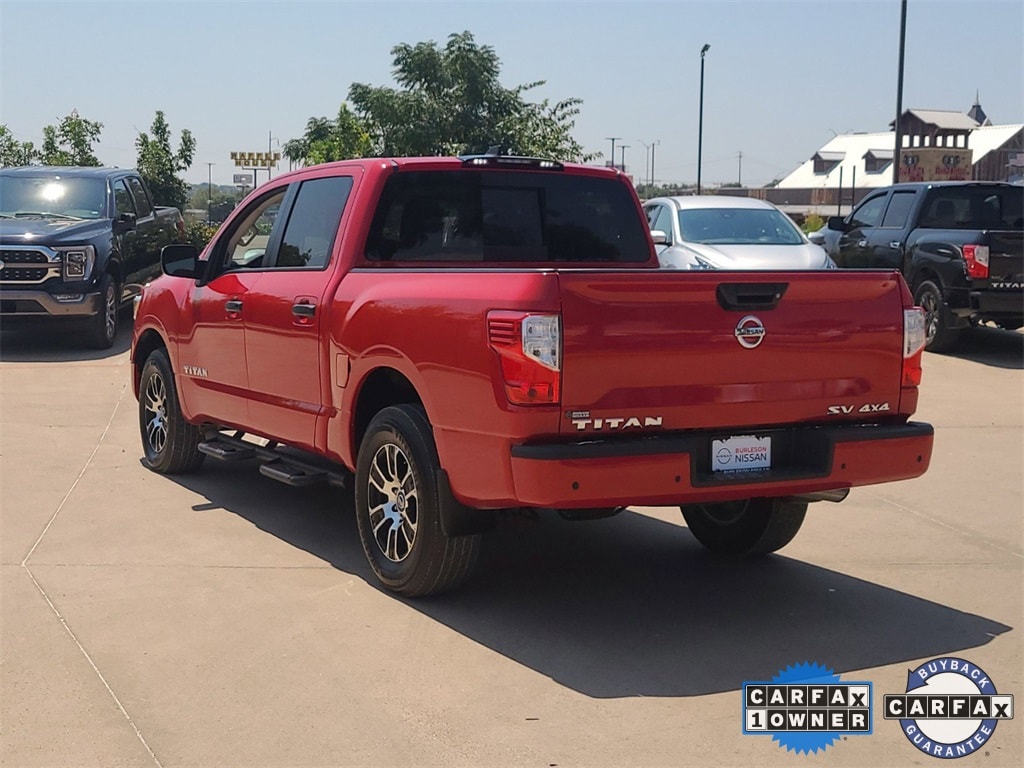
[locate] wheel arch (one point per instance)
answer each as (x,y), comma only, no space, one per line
(923,273)
(381,387)
(149,341)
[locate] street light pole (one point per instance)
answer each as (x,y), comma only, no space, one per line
(209,190)
(613,139)
(647,160)
(899,96)
(700,119)
(623,148)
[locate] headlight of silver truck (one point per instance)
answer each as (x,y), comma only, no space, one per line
(78,262)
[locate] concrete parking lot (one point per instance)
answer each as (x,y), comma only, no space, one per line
(222,619)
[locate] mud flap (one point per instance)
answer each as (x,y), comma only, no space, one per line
(456,518)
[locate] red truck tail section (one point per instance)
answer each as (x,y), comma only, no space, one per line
(691,350)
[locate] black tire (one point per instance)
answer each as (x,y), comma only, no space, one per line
(102,327)
(398,508)
(169,443)
(940,334)
(746,527)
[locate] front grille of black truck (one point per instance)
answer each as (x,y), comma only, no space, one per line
(28,265)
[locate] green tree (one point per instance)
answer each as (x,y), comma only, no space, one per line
(327,140)
(219,200)
(160,165)
(450,101)
(70,142)
(13,152)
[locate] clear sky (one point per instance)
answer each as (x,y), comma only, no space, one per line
(780,78)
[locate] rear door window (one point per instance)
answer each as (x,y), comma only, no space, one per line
(308,238)
(898,212)
(141,198)
(499,216)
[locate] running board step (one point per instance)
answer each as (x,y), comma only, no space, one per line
(291,474)
(278,462)
(226,451)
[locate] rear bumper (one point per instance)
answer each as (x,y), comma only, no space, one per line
(29,303)
(673,469)
(966,303)
(998,303)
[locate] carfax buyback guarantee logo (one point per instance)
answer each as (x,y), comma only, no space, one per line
(806,707)
(950,708)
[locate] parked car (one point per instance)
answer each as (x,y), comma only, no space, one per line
(77,244)
(722,232)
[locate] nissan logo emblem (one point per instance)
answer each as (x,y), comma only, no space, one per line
(749,331)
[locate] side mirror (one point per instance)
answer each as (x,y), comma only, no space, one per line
(817,238)
(659,237)
(180,260)
(124,223)
(838,223)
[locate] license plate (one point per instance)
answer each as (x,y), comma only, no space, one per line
(741,453)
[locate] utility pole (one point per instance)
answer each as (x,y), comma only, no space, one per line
(623,148)
(656,143)
(209,191)
(270,152)
(739,172)
(612,139)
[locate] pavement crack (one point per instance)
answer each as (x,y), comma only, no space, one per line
(962,531)
(53,607)
(88,658)
(78,479)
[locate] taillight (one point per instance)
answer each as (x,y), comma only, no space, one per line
(914,338)
(529,347)
(976,257)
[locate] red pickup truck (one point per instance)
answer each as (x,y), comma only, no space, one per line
(467,335)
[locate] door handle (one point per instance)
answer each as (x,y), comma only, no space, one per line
(304,310)
(862,243)
(895,244)
(233,305)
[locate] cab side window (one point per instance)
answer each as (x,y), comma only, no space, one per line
(312,227)
(869,214)
(123,198)
(245,245)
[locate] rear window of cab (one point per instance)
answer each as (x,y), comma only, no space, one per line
(506,216)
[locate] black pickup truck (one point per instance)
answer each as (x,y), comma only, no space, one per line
(960,246)
(77,244)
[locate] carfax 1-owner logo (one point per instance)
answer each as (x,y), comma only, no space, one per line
(950,708)
(806,707)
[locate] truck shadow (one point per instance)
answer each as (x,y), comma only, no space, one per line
(991,346)
(54,343)
(630,606)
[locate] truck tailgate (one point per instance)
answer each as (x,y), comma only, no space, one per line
(646,351)
(1006,259)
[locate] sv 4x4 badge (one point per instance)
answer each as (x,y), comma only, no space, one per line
(837,410)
